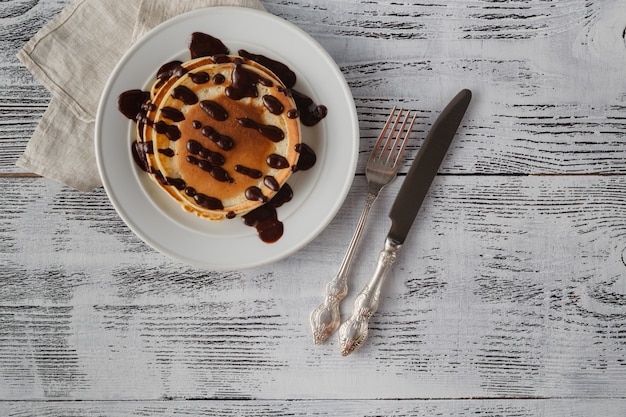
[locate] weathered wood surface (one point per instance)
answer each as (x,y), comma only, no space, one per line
(547,76)
(297,408)
(474,310)
(509,298)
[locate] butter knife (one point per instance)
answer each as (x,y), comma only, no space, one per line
(353,331)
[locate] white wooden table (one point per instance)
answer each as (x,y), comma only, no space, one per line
(508,299)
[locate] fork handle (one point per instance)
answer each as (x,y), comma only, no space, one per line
(325,319)
(353,332)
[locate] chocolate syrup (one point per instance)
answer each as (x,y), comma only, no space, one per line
(200,78)
(277,161)
(271,183)
(167,152)
(265,217)
(130,103)
(307,158)
(217,172)
(139,151)
(310,113)
(177,183)
(250,172)
(166,70)
(282,71)
(185,95)
(171,131)
(215,110)
(265,220)
(273,133)
(221,58)
(222,141)
(254,193)
(220,174)
(169,70)
(159,177)
(272,104)
(201,44)
(207,202)
(244,83)
(195,148)
(172,114)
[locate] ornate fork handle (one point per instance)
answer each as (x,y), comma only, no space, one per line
(353,331)
(325,319)
(381,168)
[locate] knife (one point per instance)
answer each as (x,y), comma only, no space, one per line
(353,331)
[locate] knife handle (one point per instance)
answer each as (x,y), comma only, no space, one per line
(353,332)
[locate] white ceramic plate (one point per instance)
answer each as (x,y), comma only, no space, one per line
(318,192)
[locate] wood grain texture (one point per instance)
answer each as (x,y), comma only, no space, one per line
(508,298)
(539,106)
(473,309)
(460,408)
(22,99)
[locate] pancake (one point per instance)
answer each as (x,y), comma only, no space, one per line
(221,135)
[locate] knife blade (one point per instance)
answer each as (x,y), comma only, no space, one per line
(425,166)
(407,204)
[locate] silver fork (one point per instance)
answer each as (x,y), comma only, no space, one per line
(381,168)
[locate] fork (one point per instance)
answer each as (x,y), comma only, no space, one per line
(381,168)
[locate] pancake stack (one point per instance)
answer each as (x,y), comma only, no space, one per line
(218,133)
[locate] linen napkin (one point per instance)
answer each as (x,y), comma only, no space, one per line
(73,56)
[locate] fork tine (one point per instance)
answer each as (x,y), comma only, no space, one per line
(377,147)
(400,141)
(386,147)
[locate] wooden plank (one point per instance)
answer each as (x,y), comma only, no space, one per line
(507,300)
(22,99)
(438,19)
(21,108)
(509,287)
(21,20)
(537,107)
(279,408)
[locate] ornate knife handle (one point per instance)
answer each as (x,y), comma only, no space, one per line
(325,319)
(353,332)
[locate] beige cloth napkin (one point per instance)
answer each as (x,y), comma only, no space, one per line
(72,56)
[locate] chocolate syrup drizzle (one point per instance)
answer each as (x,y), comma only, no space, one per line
(265,217)
(134,104)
